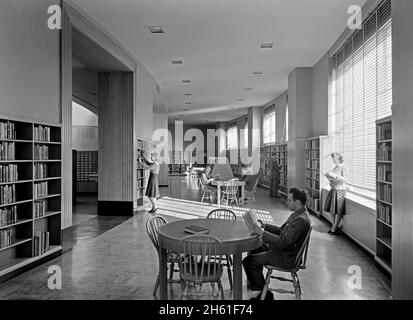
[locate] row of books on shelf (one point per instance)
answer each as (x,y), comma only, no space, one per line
(142,145)
(385,193)
(283,183)
(312,164)
(140,193)
(384,213)
(8,216)
(7,194)
(384,131)
(309,154)
(6,238)
(312,184)
(313,204)
(384,152)
(40,190)
(283,176)
(141,183)
(8,173)
(40,208)
(40,170)
(384,172)
(41,133)
(313,174)
(41,242)
(41,152)
(7,151)
(312,144)
(7,130)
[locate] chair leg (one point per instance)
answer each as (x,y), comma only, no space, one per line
(171,270)
(297,287)
(267,284)
(221,289)
(184,288)
(253,197)
(155,288)
(229,272)
(203,195)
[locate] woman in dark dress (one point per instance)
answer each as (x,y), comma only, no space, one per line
(152,189)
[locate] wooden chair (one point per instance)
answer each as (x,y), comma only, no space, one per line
(152,227)
(207,192)
(230,193)
(249,194)
(200,263)
(300,263)
(224,214)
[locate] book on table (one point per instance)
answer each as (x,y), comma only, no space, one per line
(196,229)
(251,220)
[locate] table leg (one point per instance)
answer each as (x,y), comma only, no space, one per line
(163,284)
(237,279)
(219,194)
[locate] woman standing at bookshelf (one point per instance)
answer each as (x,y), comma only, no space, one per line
(152,189)
(336,196)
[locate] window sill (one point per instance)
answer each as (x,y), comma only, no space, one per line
(366,203)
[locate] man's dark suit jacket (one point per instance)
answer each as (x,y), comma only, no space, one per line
(284,242)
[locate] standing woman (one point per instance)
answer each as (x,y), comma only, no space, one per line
(152,189)
(336,196)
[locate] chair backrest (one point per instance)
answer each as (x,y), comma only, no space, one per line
(222,213)
(152,227)
(231,186)
(200,258)
(301,259)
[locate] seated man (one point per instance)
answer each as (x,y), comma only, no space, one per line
(281,244)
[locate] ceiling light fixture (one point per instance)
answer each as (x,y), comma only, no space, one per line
(241,99)
(257,72)
(248,89)
(188,94)
(155,29)
(176,61)
(267,45)
(186,81)
(188,102)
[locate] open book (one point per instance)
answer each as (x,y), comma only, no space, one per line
(250,219)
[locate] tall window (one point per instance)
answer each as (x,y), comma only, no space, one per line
(269,125)
(232,137)
(360,92)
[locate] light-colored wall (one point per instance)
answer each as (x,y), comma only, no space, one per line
(320,97)
(85,88)
(144,109)
(160,121)
(402,242)
(29,61)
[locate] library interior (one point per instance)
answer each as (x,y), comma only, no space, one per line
(152,149)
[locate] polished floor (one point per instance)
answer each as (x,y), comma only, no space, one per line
(113,258)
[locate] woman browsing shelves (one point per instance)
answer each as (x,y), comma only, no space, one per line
(335,201)
(152,189)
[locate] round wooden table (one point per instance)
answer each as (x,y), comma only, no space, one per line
(233,234)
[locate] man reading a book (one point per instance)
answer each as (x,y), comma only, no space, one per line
(280,244)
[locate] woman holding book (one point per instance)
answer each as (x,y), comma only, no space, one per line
(336,196)
(152,189)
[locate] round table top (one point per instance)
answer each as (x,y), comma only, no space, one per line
(233,234)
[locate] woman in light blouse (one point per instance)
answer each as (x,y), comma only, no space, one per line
(152,189)
(335,200)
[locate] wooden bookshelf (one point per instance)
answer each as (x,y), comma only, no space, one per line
(314,168)
(142,174)
(178,163)
(384,193)
(279,152)
(30,194)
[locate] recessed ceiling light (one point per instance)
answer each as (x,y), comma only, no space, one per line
(186,81)
(248,89)
(231,107)
(241,99)
(155,29)
(176,61)
(257,72)
(267,45)
(188,102)
(186,109)
(188,94)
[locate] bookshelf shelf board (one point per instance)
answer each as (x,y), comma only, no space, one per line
(384,141)
(382,201)
(51,250)
(48,214)
(15,161)
(385,182)
(16,140)
(384,161)
(384,223)
(15,203)
(385,264)
(15,182)
(16,224)
(47,142)
(283,193)
(48,196)
(385,241)
(17,242)
(47,179)
(47,160)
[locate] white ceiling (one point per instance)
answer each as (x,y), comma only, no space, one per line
(219,44)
